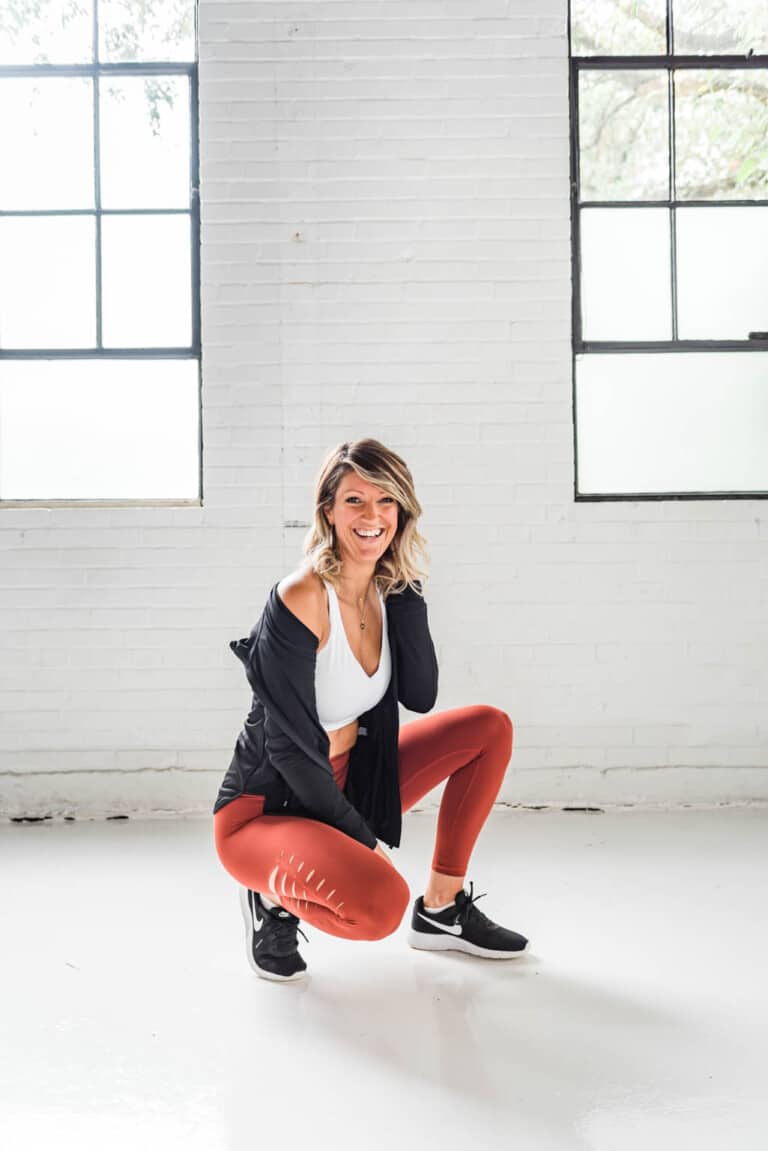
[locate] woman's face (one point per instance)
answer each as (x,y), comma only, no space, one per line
(365,518)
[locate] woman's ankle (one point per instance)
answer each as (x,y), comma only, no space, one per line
(442,889)
(270,903)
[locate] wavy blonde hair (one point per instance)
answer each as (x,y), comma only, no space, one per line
(399,567)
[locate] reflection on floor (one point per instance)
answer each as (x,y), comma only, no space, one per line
(131,1019)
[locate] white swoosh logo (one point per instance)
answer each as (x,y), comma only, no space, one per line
(257,923)
(452,930)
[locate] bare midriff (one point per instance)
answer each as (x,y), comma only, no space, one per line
(343,739)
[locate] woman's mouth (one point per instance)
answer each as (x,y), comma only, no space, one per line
(373,534)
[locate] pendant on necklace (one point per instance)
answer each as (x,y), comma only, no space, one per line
(362,626)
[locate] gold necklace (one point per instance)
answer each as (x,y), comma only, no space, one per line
(364,601)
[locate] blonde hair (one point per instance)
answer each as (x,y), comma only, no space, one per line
(399,567)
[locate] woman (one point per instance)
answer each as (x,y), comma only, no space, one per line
(321,768)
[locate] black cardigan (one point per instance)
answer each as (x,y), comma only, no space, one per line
(282,751)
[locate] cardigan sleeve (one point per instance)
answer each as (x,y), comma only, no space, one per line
(313,785)
(280,661)
(417,671)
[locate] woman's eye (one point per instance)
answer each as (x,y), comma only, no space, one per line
(383,500)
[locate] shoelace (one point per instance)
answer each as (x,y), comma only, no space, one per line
(284,928)
(469,908)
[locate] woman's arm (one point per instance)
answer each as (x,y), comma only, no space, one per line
(417,672)
(315,788)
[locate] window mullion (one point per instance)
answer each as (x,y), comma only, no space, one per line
(673,199)
(97,166)
(194,199)
(97,202)
(576,316)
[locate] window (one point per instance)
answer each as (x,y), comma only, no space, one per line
(99,251)
(669,178)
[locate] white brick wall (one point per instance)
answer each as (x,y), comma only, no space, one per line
(386,252)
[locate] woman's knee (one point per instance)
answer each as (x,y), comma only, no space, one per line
(497,727)
(221,842)
(385,907)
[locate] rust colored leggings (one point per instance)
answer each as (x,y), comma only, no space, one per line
(343,887)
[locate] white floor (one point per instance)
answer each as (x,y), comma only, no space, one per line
(130,1019)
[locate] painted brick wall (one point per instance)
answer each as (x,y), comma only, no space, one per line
(386,252)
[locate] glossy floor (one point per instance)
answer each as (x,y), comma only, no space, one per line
(130,1019)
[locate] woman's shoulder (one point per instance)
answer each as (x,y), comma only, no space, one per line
(305,596)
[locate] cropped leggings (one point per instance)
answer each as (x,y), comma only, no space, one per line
(336,883)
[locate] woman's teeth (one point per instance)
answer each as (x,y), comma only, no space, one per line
(368,535)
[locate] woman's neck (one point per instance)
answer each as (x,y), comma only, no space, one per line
(356,579)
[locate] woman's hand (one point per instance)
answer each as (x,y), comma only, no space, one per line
(380,851)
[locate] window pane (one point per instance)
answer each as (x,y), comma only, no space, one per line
(146,281)
(145,142)
(722,264)
(625,274)
(613,27)
(47,282)
(722,134)
(47,32)
(720,27)
(109,429)
(623,135)
(46,143)
(135,30)
(682,422)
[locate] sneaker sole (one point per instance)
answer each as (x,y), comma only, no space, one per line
(271,975)
(423,942)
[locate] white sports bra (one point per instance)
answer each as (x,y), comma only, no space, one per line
(343,691)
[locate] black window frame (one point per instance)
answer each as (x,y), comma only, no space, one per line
(757,342)
(95,70)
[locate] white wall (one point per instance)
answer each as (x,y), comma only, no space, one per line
(386,252)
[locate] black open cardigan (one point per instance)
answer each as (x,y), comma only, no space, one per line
(282,751)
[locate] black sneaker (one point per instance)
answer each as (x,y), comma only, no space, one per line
(270,939)
(461,927)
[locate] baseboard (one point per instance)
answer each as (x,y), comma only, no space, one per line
(175,791)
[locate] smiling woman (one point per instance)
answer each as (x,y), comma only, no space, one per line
(363,488)
(362,545)
(322,768)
